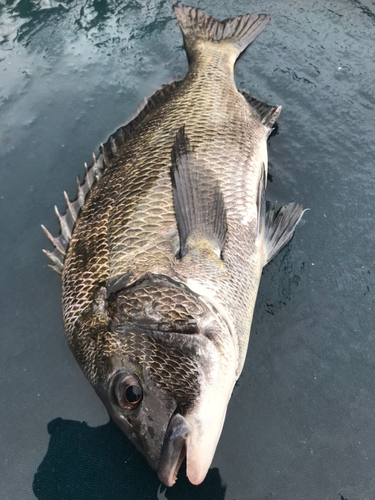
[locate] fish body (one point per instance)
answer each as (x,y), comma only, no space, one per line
(162,251)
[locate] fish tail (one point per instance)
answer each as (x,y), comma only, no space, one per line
(197,26)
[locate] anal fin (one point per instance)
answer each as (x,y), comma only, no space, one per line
(279,227)
(198,200)
(268,114)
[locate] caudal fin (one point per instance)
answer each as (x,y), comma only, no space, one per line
(239,31)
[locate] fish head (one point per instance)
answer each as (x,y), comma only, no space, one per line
(168,392)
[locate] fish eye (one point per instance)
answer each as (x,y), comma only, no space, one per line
(128,392)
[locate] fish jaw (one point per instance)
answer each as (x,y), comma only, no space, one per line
(146,427)
(174,449)
(206,423)
(196,435)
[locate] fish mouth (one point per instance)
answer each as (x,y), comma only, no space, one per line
(174,449)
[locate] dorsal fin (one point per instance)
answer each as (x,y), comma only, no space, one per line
(93,173)
(267,113)
(198,200)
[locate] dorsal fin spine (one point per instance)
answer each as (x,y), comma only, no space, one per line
(95,171)
(65,230)
(113,146)
(58,267)
(80,194)
(59,245)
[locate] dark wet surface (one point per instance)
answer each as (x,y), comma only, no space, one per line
(301,422)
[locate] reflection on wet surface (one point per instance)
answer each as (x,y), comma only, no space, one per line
(104,23)
(301,420)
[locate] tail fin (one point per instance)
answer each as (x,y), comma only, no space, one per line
(240,31)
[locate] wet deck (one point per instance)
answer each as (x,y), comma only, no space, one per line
(301,422)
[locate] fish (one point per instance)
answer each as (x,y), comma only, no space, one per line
(162,251)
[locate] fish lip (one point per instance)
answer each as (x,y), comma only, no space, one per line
(174,449)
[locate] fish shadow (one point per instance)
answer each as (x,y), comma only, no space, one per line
(99,463)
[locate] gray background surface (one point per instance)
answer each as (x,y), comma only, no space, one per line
(301,422)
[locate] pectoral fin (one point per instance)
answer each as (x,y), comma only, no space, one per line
(279,227)
(198,200)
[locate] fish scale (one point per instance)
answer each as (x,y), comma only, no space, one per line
(162,251)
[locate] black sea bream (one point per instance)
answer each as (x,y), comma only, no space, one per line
(162,252)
